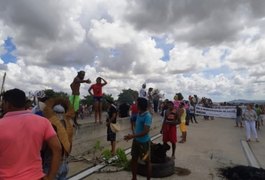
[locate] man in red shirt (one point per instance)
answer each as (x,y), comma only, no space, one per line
(97,94)
(22,136)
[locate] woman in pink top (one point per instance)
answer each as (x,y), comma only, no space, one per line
(97,94)
(178,99)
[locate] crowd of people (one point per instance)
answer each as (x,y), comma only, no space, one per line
(46,131)
(176,112)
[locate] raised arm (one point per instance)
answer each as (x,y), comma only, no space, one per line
(104,82)
(78,80)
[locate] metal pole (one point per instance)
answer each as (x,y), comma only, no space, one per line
(3,83)
(1,95)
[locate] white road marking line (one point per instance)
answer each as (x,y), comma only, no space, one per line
(250,155)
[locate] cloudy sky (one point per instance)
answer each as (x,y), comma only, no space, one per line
(212,48)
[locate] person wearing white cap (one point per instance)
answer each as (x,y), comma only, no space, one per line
(60,112)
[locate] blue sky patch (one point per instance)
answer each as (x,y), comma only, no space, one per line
(166,47)
(114,52)
(215,71)
(205,51)
(9,47)
(226,53)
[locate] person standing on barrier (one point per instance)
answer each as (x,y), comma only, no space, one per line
(97,95)
(250,117)
(141,139)
(74,98)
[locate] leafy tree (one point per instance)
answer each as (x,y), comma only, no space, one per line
(88,100)
(50,93)
(104,103)
(108,96)
(127,96)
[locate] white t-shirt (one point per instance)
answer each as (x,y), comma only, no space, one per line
(143,93)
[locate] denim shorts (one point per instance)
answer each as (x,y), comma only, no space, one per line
(97,98)
(62,171)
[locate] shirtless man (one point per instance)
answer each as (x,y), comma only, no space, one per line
(75,87)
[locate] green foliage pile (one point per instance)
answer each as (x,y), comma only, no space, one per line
(120,161)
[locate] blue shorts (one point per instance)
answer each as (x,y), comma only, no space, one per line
(133,117)
(97,98)
(62,171)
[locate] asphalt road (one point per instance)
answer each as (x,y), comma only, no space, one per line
(211,144)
